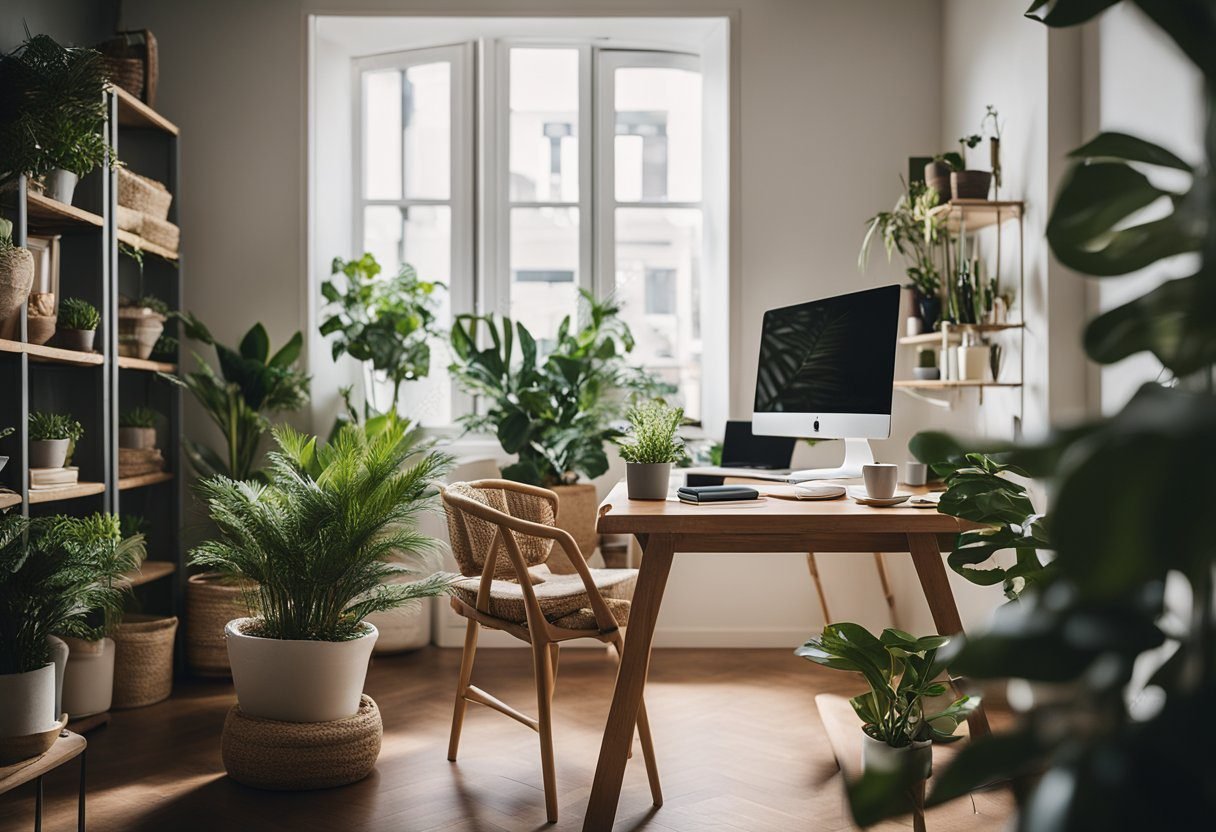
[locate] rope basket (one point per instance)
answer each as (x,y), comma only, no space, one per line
(143,660)
(211,602)
(147,196)
(161,232)
(127,73)
(295,756)
(129,219)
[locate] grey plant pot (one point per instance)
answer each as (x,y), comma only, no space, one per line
(61,185)
(76,339)
(48,453)
(139,438)
(648,480)
(926,373)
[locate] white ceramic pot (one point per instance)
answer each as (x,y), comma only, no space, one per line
(88,683)
(29,702)
(880,757)
(59,658)
(298,681)
(974,363)
(61,185)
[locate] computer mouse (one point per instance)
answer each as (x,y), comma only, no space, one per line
(818,491)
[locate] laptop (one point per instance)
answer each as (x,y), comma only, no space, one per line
(742,449)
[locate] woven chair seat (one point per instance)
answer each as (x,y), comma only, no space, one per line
(559,596)
(584,619)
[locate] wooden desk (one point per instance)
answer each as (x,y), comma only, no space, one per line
(68,746)
(771,525)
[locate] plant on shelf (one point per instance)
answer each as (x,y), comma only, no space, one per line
(903,673)
(966,183)
(1115,712)
(926,364)
(52,115)
(77,324)
(251,384)
(16,280)
(139,417)
(387,322)
(912,230)
(53,438)
(137,429)
(652,446)
(317,540)
(141,323)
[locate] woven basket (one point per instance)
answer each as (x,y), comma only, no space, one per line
(137,46)
(161,232)
(127,73)
(129,219)
(211,602)
(294,756)
(139,193)
(143,660)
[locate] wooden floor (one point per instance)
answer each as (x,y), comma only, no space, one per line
(739,744)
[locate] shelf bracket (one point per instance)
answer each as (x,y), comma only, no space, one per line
(945,404)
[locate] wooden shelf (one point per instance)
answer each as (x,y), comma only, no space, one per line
(136,241)
(939,384)
(80,489)
(149,570)
(978,213)
(49,216)
(125,483)
(955,333)
(8,499)
(130,362)
(134,113)
(53,355)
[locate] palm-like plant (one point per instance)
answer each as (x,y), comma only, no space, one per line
(318,538)
(99,539)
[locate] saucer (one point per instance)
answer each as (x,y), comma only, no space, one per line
(859,496)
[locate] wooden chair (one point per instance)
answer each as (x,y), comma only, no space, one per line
(501,533)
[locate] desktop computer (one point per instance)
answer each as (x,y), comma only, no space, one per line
(827,371)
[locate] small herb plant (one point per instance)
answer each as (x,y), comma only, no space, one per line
(652,434)
(77,313)
(902,672)
(51,426)
(926,358)
(139,417)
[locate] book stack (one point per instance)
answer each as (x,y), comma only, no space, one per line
(53,479)
(134,462)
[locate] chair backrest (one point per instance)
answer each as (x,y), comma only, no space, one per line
(472,536)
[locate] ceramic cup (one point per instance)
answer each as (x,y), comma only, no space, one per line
(915,473)
(880,479)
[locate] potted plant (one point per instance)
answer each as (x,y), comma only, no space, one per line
(917,234)
(964,182)
(554,411)
(140,325)
(77,324)
(387,323)
(252,382)
(96,541)
(53,98)
(52,439)
(316,541)
(137,428)
(16,279)
(902,672)
(40,318)
(926,364)
(651,448)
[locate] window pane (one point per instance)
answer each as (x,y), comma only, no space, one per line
(382,134)
(544,269)
(658,282)
(420,236)
(428,131)
(544,125)
(658,135)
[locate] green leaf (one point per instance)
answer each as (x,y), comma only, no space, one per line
(1121,146)
(256,344)
(1061,13)
(330,292)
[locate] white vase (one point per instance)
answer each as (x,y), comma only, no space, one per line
(297,681)
(29,702)
(59,658)
(974,363)
(88,682)
(880,757)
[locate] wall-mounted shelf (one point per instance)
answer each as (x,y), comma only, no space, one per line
(955,333)
(127,483)
(54,355)
(134,113)
(951,384)
(71,492)
(148,571)
(136,241)
(49,216)
(8,499)
(974,214)
(129,362)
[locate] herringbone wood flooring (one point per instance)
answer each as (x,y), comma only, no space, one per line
(739,746)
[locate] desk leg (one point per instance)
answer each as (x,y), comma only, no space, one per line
(80,797)
(927,558)
(630,682)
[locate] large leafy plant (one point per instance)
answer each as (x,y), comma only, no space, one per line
(252,383)
(912,231)
(318,538)
(554,411)
(99,539)
(1085,758)
(52,110)
(388,322)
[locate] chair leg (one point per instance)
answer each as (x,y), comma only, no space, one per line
(542,659)
(466,672)
(554,656)
(652,768)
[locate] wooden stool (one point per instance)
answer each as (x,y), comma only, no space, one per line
(295,756)
(66,747)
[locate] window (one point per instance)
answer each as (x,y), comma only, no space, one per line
(561,205)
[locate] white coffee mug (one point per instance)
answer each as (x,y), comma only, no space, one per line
(880,479)
(915,473)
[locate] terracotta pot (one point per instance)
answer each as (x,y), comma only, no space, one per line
(139,329)
(141,438)
(970,184)
(937,177)
(88,679)
(298,681)
(40,329)
(576,513)
(76,339)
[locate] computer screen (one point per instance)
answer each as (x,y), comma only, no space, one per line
(825,359)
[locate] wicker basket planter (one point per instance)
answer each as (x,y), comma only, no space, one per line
(211,602)
(129,219)
(143,660)
(294,756)
(147,196)
(16,279)
(161,232)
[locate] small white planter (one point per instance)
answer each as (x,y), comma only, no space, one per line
(880,757)
(88,683)
(298,681)
(59,658)
(29,702)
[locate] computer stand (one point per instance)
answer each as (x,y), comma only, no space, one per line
(857,452)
